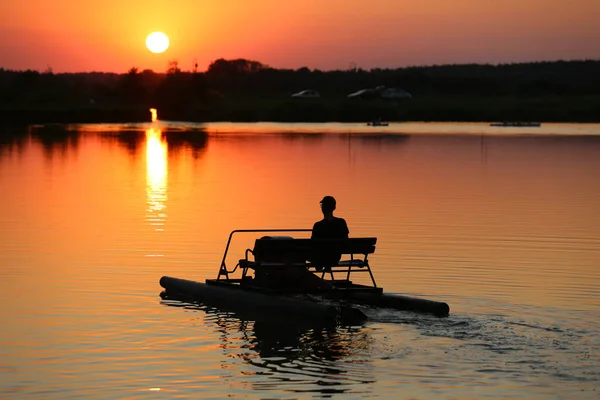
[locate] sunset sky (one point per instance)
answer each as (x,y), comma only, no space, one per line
(109,36)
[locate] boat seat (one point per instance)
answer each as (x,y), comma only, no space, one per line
(283,252)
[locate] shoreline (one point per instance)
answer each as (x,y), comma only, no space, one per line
(580,109)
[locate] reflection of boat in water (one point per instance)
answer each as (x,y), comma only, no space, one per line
(285,347)
(277,277)
(517,124)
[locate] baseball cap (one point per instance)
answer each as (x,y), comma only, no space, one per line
(328,201)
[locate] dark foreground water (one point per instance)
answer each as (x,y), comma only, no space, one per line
(503,224)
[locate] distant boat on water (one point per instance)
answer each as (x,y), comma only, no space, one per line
(377,122)
(517,124)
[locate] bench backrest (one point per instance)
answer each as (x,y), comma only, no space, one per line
(301,250)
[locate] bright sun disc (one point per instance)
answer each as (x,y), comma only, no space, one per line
(157,42)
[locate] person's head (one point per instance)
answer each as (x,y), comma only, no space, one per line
(328,204)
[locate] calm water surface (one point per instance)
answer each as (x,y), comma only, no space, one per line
(502,224)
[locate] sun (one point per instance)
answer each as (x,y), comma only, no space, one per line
(157,42)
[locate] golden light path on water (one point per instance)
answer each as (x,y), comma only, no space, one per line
(156,178)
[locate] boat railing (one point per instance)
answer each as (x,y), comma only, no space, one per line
(313,254)
(223,268)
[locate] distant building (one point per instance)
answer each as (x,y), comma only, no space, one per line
(395,93)
(307,93)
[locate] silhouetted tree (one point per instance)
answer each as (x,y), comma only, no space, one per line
(130,88)
(557,90)
(173,67)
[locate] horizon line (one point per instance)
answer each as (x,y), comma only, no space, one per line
(50,70)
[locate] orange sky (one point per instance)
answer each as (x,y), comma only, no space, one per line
(82,36)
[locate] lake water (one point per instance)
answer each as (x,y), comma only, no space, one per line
(503,224)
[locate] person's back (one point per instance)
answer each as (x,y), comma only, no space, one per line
(335,228)
(330,227)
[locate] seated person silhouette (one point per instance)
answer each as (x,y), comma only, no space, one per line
(330,227)
(322,256)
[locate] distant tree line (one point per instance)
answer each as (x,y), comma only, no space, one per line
(249,90)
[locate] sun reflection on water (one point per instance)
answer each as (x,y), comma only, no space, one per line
(156,178)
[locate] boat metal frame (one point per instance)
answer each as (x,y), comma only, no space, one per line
(344,267)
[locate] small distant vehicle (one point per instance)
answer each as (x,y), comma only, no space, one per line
(307,93)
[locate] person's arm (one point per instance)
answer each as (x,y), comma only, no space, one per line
(315,231)
(345,229)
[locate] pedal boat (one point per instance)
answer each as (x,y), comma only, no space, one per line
(253,283)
